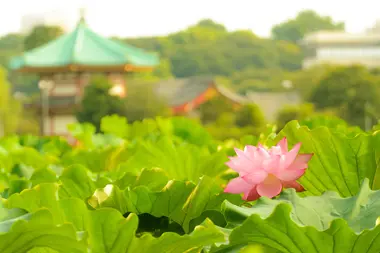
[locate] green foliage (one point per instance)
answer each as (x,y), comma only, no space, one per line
(311,224)
(111,232)
(212,109)
(142,102)
(97,102)
(182,162)
(305,81)
(290,55)
(331,122)
(157,186)
(10,109)
(114,125)
(341,162)
(349,89)
(181,202)
(224,120)
(253,79)
(29,232)
(40,35)
(208,48)
(10,45)
(306,22)
(293,112)
(250,115)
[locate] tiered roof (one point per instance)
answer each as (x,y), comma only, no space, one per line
(84,50)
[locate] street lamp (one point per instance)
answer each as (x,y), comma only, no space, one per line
(45,86)
(117,90)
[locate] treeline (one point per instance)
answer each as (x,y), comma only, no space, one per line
(243,59)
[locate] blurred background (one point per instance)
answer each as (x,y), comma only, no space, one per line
(238,67)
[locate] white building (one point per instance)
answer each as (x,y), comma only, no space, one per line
(332,47)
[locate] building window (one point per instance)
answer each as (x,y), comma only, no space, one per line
(349,53)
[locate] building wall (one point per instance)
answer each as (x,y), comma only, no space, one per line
(370,63)
(72,85)
(272,102)
(342,49)
(364,55)
(57,124)
(60,123)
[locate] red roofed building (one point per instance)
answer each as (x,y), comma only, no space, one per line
(186,94)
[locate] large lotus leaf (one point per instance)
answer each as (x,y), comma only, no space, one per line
(110,232)
(24,233)
(141,129)
(335,123)
(326,223)
(6,160)
(154,179)
(100,159)
(42,250)
(339,163)
(180,201)
(31,157)
(188,130)
(71,210)
(13,153)
(16,186)
(83,132)
(114,124)
(181,162)
(9,214)
(76,183)
(46,175)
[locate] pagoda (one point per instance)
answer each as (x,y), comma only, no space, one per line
(66,64)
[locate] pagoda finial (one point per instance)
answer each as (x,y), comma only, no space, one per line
(82,13)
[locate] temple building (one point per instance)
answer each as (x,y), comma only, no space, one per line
(65,66)
(185,95)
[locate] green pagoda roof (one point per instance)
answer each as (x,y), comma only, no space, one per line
(84,50)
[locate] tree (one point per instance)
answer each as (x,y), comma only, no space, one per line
(292,112)
(162,71)
(305,22)
(10,109)
(212,109)
(142,102)
(253,79)
(97,102)
(232,123)
(250,115)
(208,48)
(290,55)
(211,24)
(353,91)
(305,81)
(10,45)
(41,35)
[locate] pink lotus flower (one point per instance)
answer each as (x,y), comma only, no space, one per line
(265,172)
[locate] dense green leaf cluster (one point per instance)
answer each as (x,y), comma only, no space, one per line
(157,186)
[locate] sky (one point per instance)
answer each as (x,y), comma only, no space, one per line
(127,18)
